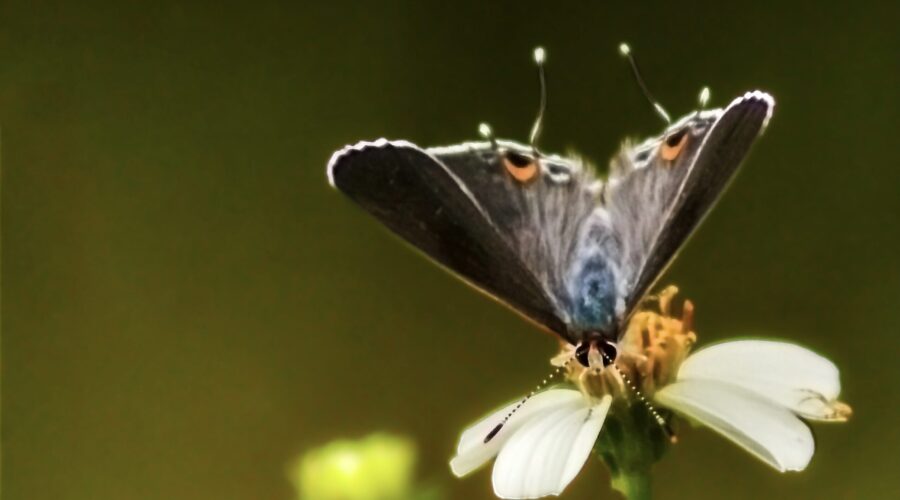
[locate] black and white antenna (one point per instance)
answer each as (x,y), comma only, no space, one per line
(540,55)
(637,392)
(543,384)
(625,50)
(610,362)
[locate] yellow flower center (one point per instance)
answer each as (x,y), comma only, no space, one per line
(650,353)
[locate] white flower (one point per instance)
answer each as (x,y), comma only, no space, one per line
(542,446)
(750,391)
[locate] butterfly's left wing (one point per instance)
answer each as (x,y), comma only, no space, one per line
(416,196)
(660,191)
(511,225)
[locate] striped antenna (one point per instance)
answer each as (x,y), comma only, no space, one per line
(637,392)
(537,389)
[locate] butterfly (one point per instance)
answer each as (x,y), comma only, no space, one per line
(542,233)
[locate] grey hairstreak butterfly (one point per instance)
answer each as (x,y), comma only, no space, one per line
(541,233)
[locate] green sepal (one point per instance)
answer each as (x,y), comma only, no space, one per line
(629,444)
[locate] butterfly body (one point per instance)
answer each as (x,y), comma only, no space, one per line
(543,234)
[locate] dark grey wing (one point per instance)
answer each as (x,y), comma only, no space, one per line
(656,204)
(551,215)
(416,196)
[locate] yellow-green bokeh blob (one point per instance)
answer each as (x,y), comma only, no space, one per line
(377,467)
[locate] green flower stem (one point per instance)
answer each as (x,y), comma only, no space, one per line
(635,485)
(630,443)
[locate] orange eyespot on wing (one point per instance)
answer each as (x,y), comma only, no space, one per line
(673,145)
(521,167)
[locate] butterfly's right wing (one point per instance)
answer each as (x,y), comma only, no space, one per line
(661,191)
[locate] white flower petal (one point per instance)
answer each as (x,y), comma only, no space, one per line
(785,373)
(472,452)
(545,454)
(765,429)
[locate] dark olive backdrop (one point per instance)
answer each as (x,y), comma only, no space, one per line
(187,305)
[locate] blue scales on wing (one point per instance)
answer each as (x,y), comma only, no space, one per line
(550,213)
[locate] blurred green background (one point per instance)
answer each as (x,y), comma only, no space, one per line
(187,306)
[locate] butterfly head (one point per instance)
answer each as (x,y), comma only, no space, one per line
(596,352)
